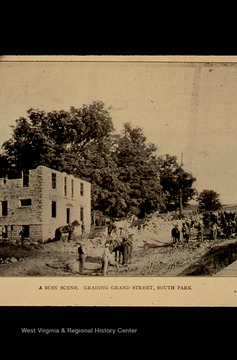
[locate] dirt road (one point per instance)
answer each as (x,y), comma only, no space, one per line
(51,259)
(149,258)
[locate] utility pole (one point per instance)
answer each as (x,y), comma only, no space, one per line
(181,193)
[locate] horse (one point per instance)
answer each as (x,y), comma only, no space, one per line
(66,229)
(121,224)
(115,247)
(122,249)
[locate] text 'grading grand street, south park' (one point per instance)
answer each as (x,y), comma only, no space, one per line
(116,287)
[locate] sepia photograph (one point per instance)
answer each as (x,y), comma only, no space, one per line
(117,180)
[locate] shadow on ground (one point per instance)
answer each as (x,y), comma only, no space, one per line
(217,258)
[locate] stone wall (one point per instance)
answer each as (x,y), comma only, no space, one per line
(23,206)
(32,205)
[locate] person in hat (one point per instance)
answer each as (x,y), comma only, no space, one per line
(107,259)
(82,257)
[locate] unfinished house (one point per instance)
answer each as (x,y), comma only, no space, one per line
(40,201)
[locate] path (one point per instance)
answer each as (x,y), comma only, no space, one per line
(230,270)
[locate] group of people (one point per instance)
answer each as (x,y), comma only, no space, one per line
(186,232)
(107,258)
(224,222)
(216,225)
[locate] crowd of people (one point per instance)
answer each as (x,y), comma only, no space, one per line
(207,226)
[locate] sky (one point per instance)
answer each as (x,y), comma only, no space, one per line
(186,108)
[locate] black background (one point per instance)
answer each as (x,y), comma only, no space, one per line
(171,331)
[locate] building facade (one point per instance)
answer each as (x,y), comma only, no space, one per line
(40,201)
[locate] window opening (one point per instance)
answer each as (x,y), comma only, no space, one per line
(25,202)
(4,208)
(81,189)
(72,188)
(26,176)
(4,232)
(65,186)
(54,209)
(81,214)
(54,180)
(68,215)
(26,229)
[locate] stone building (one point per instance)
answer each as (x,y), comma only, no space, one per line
(40,200)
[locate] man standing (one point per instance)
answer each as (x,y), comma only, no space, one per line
(213,231)
(186,232)
(82,257)
(22,234)
(107,260)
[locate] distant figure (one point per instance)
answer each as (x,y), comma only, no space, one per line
(22,235)
(3,233)
(200,232)
(112,227)
(175,233)
(229,230)
(186,232)
(213,231)
(82,257)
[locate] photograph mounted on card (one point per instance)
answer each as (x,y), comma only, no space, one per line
(117,181)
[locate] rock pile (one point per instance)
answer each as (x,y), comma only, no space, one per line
(9,260)
(155,229)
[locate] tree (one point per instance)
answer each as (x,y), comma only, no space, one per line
(177,184)
(208,200)
(55,139)
(138,169)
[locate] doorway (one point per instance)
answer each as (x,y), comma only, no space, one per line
(68,215)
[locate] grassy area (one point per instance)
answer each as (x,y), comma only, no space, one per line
(17,251)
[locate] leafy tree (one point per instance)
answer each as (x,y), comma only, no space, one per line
(208,200)
(109,193)
(56,138)
(175,181)
(138,168)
